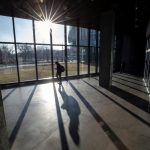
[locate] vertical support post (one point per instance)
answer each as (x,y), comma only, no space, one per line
(51,47)
(65,38)
(89,51)
(96,52)
(16,55)
(106,48)
(78,59)
(35,54)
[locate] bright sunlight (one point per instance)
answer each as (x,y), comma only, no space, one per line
(43,30)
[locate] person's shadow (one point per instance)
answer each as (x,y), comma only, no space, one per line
(73,110)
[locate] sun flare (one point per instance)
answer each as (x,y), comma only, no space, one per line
(47,24)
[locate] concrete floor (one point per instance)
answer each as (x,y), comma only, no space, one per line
(79,115)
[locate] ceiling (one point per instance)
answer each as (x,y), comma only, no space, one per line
(85,13)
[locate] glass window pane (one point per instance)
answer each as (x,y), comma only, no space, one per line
(42,32)
(59,56)
(98,60)
(83,37)
(92,59)
(8,69)
(24,32)
(58,34)
(83,62)
(26,62)
(93,37)
(71,35)
(6,29)
(98,49)
(72,60)
(98,38)
(44,61)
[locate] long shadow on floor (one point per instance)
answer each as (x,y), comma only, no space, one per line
(126,109)
(20,119)
(138,102)
(63,137)
(73,110)
(109,132)
(9,93)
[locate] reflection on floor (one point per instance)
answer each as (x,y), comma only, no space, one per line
(131,84)
(78,115)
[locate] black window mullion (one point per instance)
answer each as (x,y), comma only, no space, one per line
(14,33)
(66,60)
(88,51)
(35,54)
(78,60)
(51,47)
(96,52)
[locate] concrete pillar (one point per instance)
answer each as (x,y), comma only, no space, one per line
(4,144)
(106,48)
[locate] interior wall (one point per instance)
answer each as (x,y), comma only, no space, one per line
(130,43)
(147,58)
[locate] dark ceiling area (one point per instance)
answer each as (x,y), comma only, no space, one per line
(86,13)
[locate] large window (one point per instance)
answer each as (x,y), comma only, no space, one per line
(58,34)
(98,49)
(92,59)
(33,56)
(93,51)
(58,56)
(6,29)
(83,62)
(71,35)
(24,31)
(83,37)
(92,37)
(26,62)
(8,70)
(44,61)
(42,32)
(72,60)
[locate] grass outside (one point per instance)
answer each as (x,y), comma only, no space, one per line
(8,75)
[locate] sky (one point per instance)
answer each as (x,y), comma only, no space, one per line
(24,32)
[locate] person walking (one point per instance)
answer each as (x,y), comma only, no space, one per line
(59,70)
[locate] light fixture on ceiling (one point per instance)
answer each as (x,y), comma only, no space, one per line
(41,1)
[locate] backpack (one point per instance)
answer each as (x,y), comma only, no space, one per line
(62,68)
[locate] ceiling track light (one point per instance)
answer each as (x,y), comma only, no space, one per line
(41,1)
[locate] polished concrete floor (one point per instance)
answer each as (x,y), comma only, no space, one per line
(79,115)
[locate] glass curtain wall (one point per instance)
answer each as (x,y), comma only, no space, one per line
(98,49)
(72,60)
(83,51)
(26,62)
(25,50)
(44,61)
(72,50)
(59,56)
(6,29)
(42,32)
(58,46)
(8,68)
(93,51)
(43,52)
